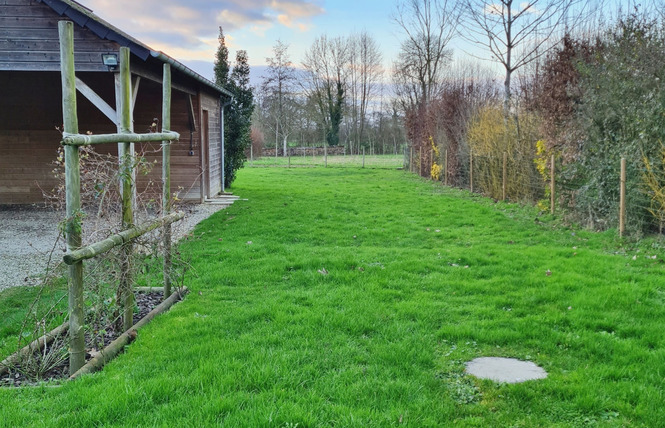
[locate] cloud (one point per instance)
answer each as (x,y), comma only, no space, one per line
(187,26)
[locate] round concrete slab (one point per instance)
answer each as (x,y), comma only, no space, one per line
(506,370)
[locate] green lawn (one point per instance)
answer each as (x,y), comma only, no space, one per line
(352,298)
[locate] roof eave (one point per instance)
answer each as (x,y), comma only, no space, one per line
(188,71)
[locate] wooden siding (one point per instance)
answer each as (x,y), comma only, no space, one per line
(185,168)
(29,39)
(31,103)
(30,106)
(211,104)
(31,111)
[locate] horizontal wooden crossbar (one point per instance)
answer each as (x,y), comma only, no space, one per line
(107,244)
(88,140)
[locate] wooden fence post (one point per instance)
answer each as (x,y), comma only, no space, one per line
(471,170)
(73,197)
(445,177)
(125,292)
(505,174)
(166,177)
(622,199)
(552,185)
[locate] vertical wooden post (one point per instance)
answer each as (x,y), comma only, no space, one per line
(411,165)
(289,160)
(420,161)
(445,177)
(471,170)
(166,176)
(622,199)
(505,174)
(552,185)
(363,157)
(325,154)
(126,294)
(251,155)
(73,227)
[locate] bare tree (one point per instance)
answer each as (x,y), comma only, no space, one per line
(365,75)
(325,82)
(278,88)
(517,33)
(428,25)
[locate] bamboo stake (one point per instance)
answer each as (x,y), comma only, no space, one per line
(552,185)
(166,177)
(471,169)
(505,173)
(115,347)
(622,199)
(73,228)
(125,292)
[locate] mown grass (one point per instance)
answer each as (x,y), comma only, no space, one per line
(346,297)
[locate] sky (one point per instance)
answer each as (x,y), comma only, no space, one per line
(187,30)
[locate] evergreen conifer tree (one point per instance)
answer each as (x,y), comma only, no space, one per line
(238,114)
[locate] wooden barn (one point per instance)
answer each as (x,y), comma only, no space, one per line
(30,100)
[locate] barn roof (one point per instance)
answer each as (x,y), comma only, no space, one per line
(85,17)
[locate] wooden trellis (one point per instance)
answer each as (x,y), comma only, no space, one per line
(72,141)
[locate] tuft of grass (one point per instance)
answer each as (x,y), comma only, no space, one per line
(349,297)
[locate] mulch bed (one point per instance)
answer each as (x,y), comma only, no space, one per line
(145,302)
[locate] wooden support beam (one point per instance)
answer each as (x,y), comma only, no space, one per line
(96,100)
(135,92)
(32,347)
(154,77)
(73,229)
(118,345)
(166,177)
(118,239)
(191,115)
(89,140)
(125,293)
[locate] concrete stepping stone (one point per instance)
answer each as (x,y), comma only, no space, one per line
(505,370)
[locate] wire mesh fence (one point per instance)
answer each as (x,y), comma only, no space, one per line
(333,161)
(634,204)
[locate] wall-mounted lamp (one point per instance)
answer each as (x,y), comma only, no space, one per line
(110,60)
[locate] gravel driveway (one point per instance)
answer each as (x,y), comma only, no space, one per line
(29,234)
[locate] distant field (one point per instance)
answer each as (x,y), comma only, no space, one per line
(348,297)
(348,161)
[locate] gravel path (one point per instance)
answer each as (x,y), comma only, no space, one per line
(29,234)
